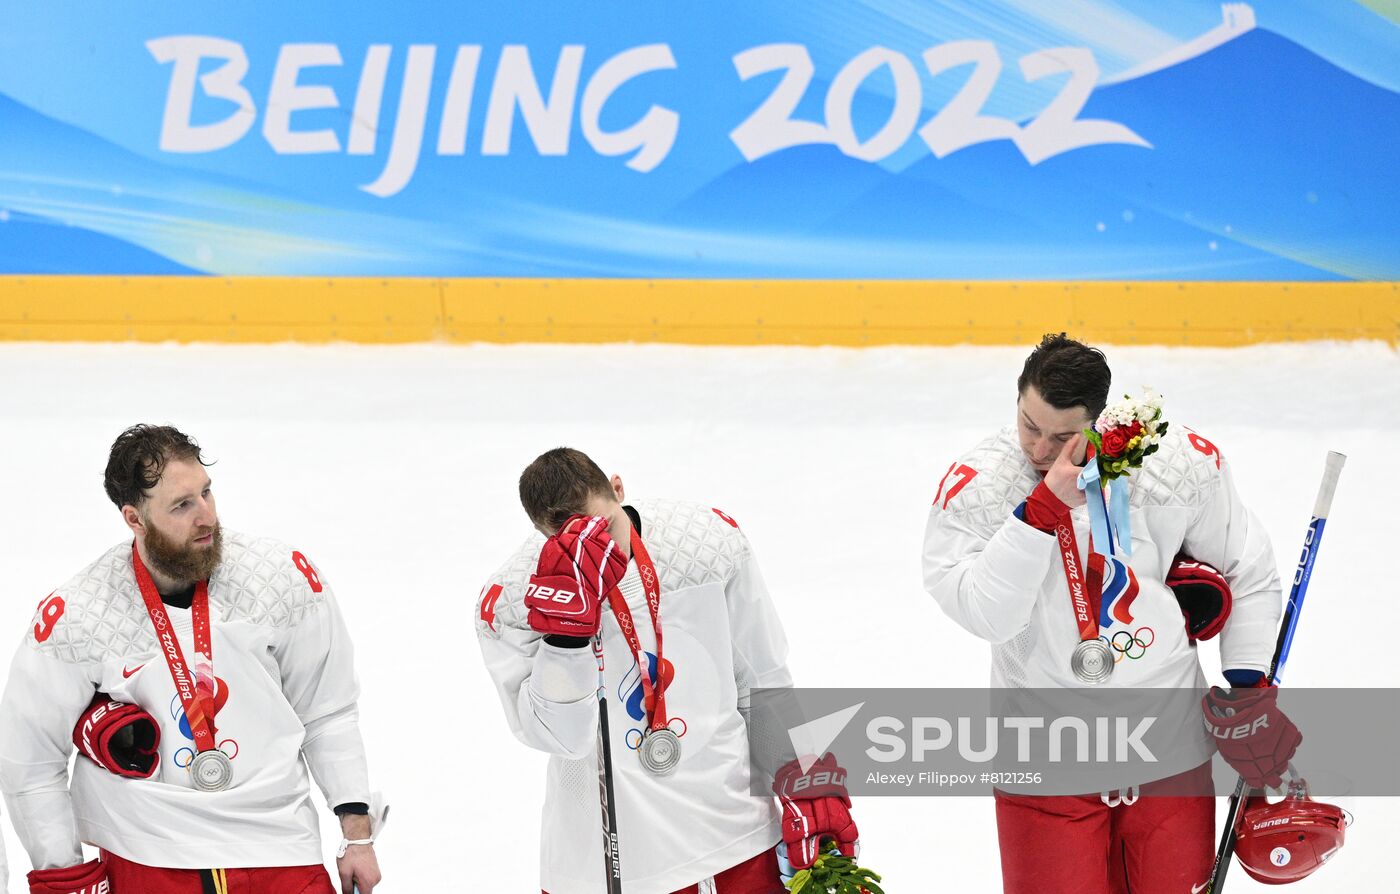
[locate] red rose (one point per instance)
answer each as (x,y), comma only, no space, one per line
(1135,429)
(1114,442)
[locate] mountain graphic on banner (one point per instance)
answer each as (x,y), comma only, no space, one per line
(1267,163)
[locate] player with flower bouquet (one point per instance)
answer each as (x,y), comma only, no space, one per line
(1018,528)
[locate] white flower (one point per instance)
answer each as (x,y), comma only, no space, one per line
(1146,410)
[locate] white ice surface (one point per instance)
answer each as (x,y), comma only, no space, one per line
(395,469)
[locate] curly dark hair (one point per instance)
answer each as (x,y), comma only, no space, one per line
(138,457)
(1067,374)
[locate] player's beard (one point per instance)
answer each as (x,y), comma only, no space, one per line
(184,562)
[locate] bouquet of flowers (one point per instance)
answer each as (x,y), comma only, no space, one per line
(1126,433)
(833,873)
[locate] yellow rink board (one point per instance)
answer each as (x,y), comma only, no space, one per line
(696,312)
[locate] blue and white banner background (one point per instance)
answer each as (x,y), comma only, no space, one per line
(1020,139)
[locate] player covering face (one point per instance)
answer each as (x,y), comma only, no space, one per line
(1006,539)
(672,593)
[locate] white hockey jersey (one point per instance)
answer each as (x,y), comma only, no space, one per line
(287,689)
(1003,580)
(721,638)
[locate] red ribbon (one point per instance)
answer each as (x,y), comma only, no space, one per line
(196,696)
(1085,589)
(651,584)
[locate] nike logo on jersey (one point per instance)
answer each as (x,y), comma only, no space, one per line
(128,673)
(1197,889)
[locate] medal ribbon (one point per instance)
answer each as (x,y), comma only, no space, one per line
(197,694)
(656,695)
(1108,520)
(1085,590)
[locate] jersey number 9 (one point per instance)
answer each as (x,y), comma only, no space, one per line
(50,610)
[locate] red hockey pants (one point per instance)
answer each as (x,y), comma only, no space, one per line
(134,878)
(1097,844)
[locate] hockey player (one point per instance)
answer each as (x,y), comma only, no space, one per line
(225,670)
(993,563)
(676,592)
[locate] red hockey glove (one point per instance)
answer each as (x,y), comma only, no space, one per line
(1203,594)
(578,567)
(87,878)
(1251,733)
(816,807)
(1043,509)
(120,737)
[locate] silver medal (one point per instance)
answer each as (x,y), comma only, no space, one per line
(660,752)
(1092,661)
(211,771)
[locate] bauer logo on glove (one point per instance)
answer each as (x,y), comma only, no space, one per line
(577,569)
(816,809)
(1251,732)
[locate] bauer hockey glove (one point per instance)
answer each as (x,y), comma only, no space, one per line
(1253,735)
(81,879)
(816,808)
(119,737)
(577,569)
(1203,594)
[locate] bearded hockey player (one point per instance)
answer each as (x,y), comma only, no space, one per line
(993,561)
(687,630)
(200,672)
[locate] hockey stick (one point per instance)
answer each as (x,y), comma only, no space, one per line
(1301,576)
(612,862)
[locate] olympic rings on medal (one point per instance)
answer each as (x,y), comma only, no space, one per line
(634,736)
(1138,640)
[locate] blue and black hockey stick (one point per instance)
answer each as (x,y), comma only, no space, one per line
(1301,576)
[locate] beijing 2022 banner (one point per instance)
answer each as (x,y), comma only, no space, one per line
(964,139)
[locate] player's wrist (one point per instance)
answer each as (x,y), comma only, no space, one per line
(1044,509)
(355,827)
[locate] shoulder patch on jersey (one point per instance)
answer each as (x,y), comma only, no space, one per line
(260,581)
(103,614)
(981,488)
(691,543)
(1185,471)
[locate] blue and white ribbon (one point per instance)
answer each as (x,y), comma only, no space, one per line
(1118,518)
(1108,520)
